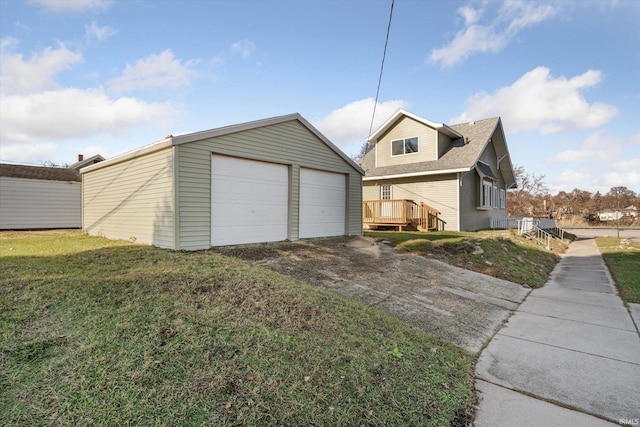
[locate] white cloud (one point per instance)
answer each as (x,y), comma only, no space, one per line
(596,148)
(511,18)
(626,174)
(33,107)
(244,47)
(93,31)
(470,15)
(24,28)
(73,6)
(73,113)
(7,44)
(628,165)
(18,75)
(540,101)
(601,162)
(570,179)
(348,126)
(153,72)
(524,14)
(32,153)
(635,139)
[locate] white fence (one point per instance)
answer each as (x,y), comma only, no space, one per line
(512,222)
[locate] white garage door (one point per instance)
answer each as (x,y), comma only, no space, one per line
(322,203)
(249,201)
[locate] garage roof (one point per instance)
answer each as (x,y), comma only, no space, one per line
(172,140)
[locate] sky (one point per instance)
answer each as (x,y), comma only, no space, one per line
(109,76)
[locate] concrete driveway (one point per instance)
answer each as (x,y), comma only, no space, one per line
(462,306)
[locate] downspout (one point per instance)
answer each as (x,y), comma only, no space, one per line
(174,196)
(460,175)
(82,202)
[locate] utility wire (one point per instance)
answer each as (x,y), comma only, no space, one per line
(384,55)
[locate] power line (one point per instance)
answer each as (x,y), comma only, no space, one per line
(384,55)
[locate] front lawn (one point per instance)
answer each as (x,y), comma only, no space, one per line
(498,253)
(622,256)
(102,332)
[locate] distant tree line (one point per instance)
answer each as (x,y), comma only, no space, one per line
(532,198)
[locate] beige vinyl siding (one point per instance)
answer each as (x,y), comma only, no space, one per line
(407,128)
(132,200)
(287,143)
(370,190)
(437,191)
(443,143)
(36,203)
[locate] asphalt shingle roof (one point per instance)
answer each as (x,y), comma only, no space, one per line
(462,153)
(486,170)
(39,172)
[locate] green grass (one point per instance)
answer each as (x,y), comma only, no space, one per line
(623,259)
(101,332)
(504,254)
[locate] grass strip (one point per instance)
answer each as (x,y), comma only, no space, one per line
(103,332)
(497,253)
(622,257)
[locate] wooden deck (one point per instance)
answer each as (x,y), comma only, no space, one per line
(402,213)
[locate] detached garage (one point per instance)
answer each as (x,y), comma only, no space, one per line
(262,181)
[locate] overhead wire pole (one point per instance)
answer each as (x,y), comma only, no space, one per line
(384,55)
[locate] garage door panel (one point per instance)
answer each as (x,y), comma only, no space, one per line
(322,203)
(250,201)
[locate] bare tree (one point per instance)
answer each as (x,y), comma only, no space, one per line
(617,199)
(366,147)
(52,164)
(529,199)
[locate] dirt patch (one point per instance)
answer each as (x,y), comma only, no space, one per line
(460,305)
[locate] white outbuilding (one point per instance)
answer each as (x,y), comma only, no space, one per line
(39,197)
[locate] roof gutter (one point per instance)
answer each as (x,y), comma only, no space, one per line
(414,174)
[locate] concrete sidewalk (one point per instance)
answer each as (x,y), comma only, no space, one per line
(569,356)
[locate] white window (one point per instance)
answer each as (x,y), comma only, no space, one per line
(495,196)
(404,146)
(503,199)
(486,194)
(385,192)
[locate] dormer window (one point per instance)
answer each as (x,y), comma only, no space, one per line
(404,146)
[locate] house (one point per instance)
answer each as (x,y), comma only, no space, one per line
(628,213)
(267,180)
(82,162)
(429,175)
(38,197)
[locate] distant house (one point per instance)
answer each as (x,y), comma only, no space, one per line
(267,180)
(630,212)
(82,162)
(429,175)
(34,197)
